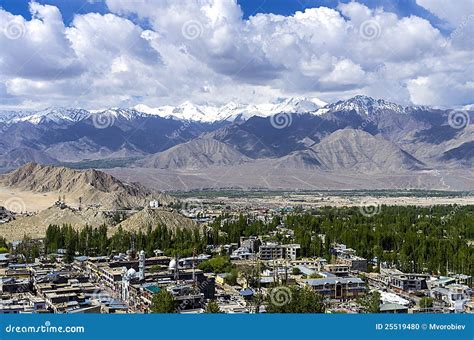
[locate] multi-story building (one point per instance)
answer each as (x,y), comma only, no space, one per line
(22,303)
(270,251)
(317,263)
(274,251)
(251,243)
(241,253)
(463,279)
(348,257)
(291,251)
(408,282)
(356,263)
(338,288)
(341,250)
(454,295)
(337,269)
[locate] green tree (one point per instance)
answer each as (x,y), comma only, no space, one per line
(231,279)
(371,302)
(218,264)
(426,302)
(294,299)
(163,302)
(296,271)
(213,308)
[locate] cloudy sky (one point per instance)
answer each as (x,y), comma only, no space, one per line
(98,54)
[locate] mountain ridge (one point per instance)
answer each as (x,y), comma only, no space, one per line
(89,187)
(292,130)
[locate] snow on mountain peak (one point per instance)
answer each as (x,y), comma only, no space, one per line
(298,105)
(54,114)
(188,111)
(127,114)
(233,111)
(364,105)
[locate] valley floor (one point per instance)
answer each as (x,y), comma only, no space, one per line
(257,176)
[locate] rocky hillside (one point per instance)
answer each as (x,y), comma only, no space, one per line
(35,226)
(19,156)
(360,151)
(153,217)
(197,154)
(91,187)
(174,143)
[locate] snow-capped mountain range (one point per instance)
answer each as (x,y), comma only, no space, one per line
(230,112)
(186,111)
(429,136)
(233,111)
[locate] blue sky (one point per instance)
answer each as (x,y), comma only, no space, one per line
(69,8)
(98,54)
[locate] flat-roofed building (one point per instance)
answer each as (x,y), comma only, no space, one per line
(338,288)
(356,263)
(393,308)
(274,251)
(270,251)
(337,269)
(409,282)
(291,251)
(454,295)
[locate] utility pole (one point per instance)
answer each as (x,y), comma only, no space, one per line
(176,270)
(194,272)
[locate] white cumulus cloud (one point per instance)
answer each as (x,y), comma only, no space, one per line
(205,51)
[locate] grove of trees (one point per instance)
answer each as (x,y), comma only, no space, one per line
(434,240)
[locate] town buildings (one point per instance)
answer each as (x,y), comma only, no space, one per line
(273,251)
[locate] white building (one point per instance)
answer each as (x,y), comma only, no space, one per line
(454,295)
(154,204)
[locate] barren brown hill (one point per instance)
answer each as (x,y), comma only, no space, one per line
(153,217)
(35,226)
(92,186)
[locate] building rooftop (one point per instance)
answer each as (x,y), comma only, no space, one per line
(246,292)
(333,280)
(305,270)
(392,307)
(152,288)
